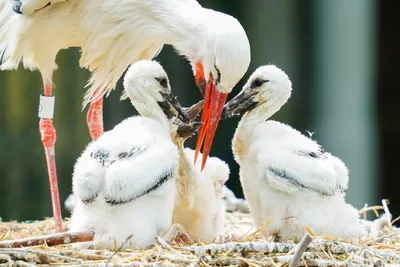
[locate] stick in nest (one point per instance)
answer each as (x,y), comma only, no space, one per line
(261,247)
(49,240)
(177,232)
(119,249)
(301,247)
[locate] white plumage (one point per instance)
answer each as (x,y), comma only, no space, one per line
(286,176)
(204,220)
(114,34)
(119,189)
(232,203)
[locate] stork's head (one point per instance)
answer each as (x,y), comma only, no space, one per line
(147,85)
(220,175)
(224,60)
(266,91)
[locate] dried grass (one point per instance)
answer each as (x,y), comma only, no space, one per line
(242,246)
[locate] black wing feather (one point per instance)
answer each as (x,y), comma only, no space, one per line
(163,179)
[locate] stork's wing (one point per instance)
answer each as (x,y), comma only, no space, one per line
(88,177)
(101,82)
(6,12)
(290,171)
(291,161)
(135,175)
(342,173)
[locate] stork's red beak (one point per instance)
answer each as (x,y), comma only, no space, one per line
(213,104)
(200,80)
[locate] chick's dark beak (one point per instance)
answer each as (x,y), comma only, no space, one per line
(192,112)
(171,106)
(185,116)
(185,130)
(240,104)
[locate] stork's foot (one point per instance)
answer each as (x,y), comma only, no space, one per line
(95,119)
(48,134)
(178,234)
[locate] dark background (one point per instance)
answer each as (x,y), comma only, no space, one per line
(342,57)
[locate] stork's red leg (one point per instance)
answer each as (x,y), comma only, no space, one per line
(48,134)
(94,119)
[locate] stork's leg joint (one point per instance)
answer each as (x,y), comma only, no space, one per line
(47,132)
(95,119)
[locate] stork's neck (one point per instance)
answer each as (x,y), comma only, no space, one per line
(186,178)
(186,31)
(151,110)
(244,132)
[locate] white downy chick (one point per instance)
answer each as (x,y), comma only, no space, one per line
(124,182)
(287,177)
(211,207)
(232,203)
(70,203)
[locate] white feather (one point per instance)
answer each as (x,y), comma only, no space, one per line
(287,178)
(232,203)
(114,34)
(211,207)
(123,182)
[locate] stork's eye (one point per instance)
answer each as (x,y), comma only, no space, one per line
(163,81)
(257,83)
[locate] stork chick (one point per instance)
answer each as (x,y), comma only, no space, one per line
(287,177)
(124,182)
(199,207)
(232,203)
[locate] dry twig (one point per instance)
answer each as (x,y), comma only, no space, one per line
(119,249)
(262,247)
(301,247)
(49,240)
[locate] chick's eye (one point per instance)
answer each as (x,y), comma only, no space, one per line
(257,83)
(163,82)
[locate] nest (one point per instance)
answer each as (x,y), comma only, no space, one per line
(242,246)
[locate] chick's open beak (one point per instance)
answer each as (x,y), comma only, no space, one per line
(192,112)
(171,106)
(185,130)
(214,101)
(240,104)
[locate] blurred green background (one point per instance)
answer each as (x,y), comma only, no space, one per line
(340,55)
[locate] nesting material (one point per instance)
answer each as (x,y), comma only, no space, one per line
(242,246)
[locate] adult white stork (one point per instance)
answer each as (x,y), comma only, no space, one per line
(286,176)
(124,182)
(113,34)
